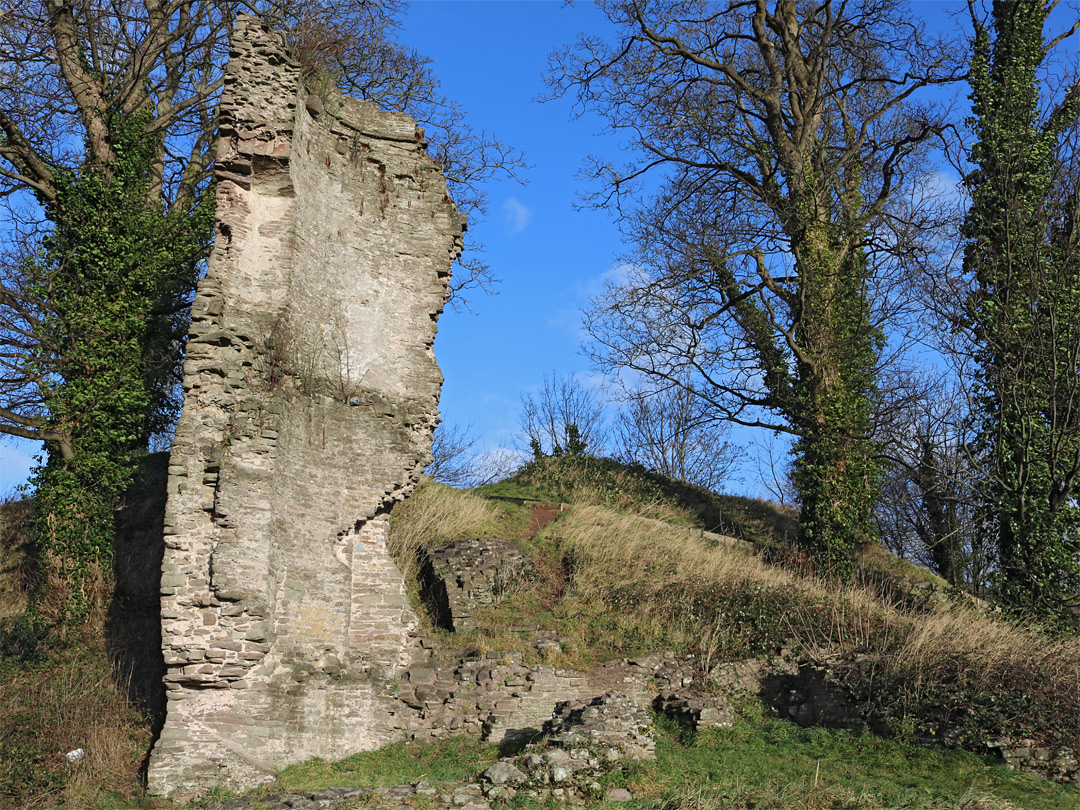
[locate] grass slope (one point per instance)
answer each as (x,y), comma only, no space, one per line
(636,564)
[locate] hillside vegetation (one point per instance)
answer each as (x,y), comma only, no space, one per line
(639,564)
(634,563)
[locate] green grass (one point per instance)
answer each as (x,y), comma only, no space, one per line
(761,762)
(512,489)
(765,762)
(455,759)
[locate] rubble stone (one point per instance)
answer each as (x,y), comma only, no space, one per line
(463,576)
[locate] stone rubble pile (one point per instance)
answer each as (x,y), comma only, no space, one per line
(496,696)
(614,723)
(695,710)
(584,740)
(501,699)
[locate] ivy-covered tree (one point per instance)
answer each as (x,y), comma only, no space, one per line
(785,132)
(1023,258)
(113,277)
(108,128)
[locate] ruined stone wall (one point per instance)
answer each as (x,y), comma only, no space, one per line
(310,397)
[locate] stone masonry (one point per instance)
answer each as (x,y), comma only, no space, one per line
(464,576)
(310,397)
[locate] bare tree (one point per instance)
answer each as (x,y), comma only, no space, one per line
(565,417)
(774,469)
(785,132)
(452,456)
(929,505)
(674,433)
(456,462)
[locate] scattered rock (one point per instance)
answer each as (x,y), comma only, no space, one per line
(613,720)
(502,773)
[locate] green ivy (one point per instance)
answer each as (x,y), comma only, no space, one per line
(836,469)
(115,271)
(1021,254)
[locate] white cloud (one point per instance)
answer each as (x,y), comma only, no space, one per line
(568,316)
(614,276)
(516,214)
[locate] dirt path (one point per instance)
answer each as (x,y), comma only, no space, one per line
(542,515)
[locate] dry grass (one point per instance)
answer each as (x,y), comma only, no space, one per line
(963,676)
(661,586)
(17,564)
(91,686)
(638,584)
(438,514)
(635,490)
(618,581)
(73,701)
(619,490)
(621,549)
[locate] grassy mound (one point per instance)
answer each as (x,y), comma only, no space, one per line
(606,482)
(629,570)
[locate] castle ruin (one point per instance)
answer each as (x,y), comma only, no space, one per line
(310,394)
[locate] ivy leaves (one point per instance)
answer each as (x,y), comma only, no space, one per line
(113,270)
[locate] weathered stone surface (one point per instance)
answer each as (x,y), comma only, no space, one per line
(695,710)
(589,739)
(463,576)
(310,397)
(501,699)
(502,773)
(444,796)
(1058,764)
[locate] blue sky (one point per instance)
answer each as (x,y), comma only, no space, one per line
(490,56)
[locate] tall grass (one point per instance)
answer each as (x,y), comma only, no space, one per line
(70,701)
(437,514)
(962,677)
(619,580)
(641,585)
(93,687)
(948,672)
